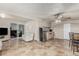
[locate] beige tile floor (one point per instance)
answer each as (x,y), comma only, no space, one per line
(55,47)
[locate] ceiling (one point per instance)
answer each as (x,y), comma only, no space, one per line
(43,11)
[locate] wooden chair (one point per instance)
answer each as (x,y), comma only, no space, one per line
(0,52)
(71,38)
(75,41)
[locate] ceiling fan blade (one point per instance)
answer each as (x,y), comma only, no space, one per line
(67,17)
(57,14)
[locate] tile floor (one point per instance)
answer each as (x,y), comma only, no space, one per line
(57,47)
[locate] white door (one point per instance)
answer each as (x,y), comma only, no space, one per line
(66,31)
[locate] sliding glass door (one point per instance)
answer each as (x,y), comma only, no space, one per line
(16,30)
(13,30)
(21,30)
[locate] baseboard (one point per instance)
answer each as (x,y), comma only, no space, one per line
(62,39)
(59,38)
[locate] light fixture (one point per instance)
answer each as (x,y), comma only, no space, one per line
(60,16)
(2,15)
(58,21)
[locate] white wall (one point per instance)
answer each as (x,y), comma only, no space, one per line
(32,27)
(61,31)
(75,27)
(6,23)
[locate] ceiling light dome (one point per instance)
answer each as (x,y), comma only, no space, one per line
(58,21)
(2,15)
(60,17)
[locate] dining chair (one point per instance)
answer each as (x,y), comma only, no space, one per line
(71,38)
(75,42)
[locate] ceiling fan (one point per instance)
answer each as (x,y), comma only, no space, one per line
(60,16)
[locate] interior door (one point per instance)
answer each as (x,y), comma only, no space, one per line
(66,31)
